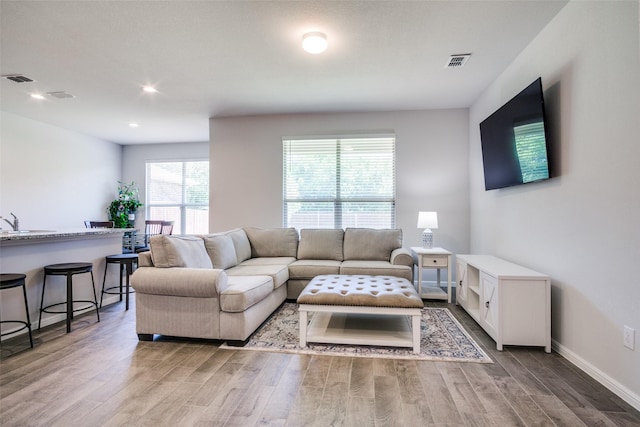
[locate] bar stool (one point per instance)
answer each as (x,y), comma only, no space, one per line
(11,280)
(68,269)
(126,262)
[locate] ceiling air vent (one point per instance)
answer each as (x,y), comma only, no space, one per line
(457,61)
(60,95)
(17,78)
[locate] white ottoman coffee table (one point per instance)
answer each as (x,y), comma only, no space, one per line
(361,310)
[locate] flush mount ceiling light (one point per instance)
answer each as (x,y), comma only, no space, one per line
(149,89)
(314,42)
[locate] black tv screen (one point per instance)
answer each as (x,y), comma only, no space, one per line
(514,141)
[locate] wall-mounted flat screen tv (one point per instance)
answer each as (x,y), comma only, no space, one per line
(514,141)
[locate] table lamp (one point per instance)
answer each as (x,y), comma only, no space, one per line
(427,220)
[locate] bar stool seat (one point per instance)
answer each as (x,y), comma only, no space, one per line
(12,280)
(68,270)
(126,262)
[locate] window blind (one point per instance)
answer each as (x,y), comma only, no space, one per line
(339,182)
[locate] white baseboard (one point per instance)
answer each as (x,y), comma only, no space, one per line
(618,389)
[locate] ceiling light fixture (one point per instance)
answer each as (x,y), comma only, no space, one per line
(149,89)
(314,42)
(37,96)
(133,125)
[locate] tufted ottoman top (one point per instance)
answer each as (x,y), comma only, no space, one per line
(361,290)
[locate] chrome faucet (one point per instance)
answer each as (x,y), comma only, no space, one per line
(15,224)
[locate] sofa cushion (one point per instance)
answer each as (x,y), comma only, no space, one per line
(272,242)
(272,260)
(244,292)
(221,251)
(321,244)
(241,244)
(310,268)
(371,244)
(376,268)
(279,273)
(179,251)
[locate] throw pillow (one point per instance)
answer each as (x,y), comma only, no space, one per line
(179,251)
(221,251)
(241,244)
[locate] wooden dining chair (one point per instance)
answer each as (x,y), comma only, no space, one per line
(153,227)
(167,227)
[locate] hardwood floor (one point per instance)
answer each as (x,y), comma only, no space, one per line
(101,375)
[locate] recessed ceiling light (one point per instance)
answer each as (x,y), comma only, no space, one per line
(149,89)
(60,94)
(133,125)
(37,96)
(314,42)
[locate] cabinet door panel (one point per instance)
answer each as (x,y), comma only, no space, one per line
(490,306)
(461,287)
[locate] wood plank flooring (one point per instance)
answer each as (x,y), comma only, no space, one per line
(101,375)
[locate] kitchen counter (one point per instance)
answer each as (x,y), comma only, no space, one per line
(28,252)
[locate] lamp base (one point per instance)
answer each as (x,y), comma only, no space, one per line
(427,238)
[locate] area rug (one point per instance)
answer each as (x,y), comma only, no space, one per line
(442,338)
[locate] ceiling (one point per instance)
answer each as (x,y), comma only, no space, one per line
(236,58)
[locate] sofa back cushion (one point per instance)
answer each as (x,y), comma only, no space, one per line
(179,251)
(321,244)
(221,250)
(371,244)
(270,242)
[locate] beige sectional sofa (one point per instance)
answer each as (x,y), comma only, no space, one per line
(224,285)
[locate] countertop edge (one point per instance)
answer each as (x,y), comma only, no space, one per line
(45,236)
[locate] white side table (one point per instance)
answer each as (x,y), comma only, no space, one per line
(433,258)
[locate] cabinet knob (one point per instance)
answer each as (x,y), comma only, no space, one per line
(460,283)
(435,261)
(486,304)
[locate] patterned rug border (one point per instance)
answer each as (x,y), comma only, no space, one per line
(467,350)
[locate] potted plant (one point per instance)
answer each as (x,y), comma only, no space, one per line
(122,210)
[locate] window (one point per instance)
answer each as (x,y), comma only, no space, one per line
(339,182)
(179,192)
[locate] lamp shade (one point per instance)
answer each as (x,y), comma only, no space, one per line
(428,220)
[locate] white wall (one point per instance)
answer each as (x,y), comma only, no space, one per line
(581,227)
(431,165)
(135,157)
(52,178)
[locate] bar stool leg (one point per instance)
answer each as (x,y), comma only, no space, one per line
(121,270)
(95,297)
(129,268)
(26,307)
(69,301)
(104,279)
(44,282)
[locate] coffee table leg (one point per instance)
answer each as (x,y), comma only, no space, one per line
(415,330)
(303,328)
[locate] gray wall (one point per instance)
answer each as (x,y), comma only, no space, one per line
(52,178)
(431,164)
(581,227)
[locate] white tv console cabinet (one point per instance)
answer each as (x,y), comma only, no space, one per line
(511,303)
